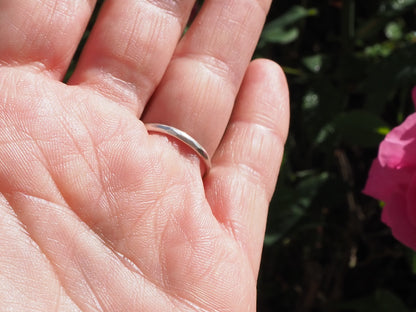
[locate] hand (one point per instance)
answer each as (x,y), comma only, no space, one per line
(96,214)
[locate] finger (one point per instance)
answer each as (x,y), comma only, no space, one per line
(42,33)
(129,48)
(198,90)
(246,164)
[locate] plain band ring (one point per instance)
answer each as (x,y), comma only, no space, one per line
(183,137)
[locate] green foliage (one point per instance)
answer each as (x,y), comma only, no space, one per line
(360,127)
(381,301)
(350,67)
(283,29)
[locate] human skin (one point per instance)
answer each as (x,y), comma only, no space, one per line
(96,214)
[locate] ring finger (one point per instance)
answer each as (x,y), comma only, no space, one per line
(199,88)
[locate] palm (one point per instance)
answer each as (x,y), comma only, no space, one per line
(96,214)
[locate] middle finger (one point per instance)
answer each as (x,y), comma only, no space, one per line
(129,48)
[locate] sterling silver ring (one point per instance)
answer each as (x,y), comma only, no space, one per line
(183,137)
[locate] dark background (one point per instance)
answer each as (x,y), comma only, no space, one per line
(351,66)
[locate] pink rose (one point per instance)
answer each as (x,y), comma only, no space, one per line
(392,179)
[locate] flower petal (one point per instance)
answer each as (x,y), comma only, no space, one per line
(396,217)
(398,149)
(383,181)
(411,200)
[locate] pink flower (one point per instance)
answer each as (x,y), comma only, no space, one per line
(392,179)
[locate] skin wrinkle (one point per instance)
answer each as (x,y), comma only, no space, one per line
(154,35)
(34,242)
(33,67)
(98,300)
(65,10)
(201,274)
(255,168)
(60,301)
(72,250)
(126,236)
(164,287)
(241,233)
(168,285)
(152,205)
(260,123)
(171,7)
(128,263)
(147,51)
(215,64)
(131,40)
(203,93)
(39,36)
(229,225)
(98,169)
(41,158)
(45,162)
(173,224)
(251,175)
(222,59)
(57,8)
(120,91)
(19,32)
(243,26)
(28,22)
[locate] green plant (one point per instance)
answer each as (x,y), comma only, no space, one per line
(350,66)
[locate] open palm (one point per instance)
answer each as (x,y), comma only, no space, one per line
(96,214)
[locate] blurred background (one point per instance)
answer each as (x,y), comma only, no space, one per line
(351,66)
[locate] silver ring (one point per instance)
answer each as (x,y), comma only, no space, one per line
(183,137)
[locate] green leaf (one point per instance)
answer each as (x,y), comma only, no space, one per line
(323,134)
(379,49)
(394,31)
(281,35)
(387,11)
(281,29)
(292,16)
(309,186)
(360,128)
(310,100)
(397,5)
(383,130)
(381,301)
(388,301)
(313,63)
(291,203)
(411,258)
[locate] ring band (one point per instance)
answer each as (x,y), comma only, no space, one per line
(183,137)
